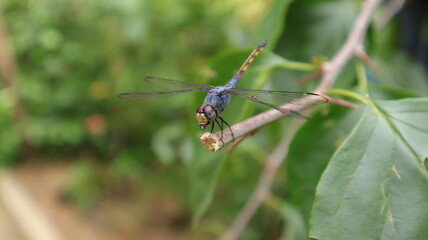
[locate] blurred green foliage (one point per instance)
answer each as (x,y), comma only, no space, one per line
(84,188)
(74,56)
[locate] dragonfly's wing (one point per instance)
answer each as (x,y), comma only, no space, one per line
(274,99)
(152,95)
(176,87)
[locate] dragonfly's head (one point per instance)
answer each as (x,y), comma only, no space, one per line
(205,114)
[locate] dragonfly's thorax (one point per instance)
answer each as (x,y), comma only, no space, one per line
(205,114)
(218,98)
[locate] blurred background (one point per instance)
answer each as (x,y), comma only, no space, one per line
(104,168)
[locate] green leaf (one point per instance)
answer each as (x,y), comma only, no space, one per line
(204,176)
(295,227)
(227,64)
(404,73)
(322,136)
(168,141)
(273,25)
(317,28)
(386,92)
(376,186)
(10,144)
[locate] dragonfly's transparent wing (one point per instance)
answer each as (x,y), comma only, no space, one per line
(152,95)
(176,87)
(274,99)
(278,97)
(175,84)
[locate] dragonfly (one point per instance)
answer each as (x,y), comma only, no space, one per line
(218,97)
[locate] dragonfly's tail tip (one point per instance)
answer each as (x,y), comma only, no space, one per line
(325,99)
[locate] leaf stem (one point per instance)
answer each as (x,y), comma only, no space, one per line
(362,77)
(305,67)
(347,93)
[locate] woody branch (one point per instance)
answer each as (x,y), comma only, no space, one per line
(330,71)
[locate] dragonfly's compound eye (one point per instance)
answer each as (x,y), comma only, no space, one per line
(205,115)
(209,112)
(207,109)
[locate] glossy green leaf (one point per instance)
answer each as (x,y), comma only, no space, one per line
(322,135)
(375,186)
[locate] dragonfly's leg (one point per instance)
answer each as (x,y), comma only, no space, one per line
(230,129)
(221,128)
(220,124)
(212,127)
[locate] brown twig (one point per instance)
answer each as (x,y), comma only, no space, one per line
(330,71)
(342,103)
(7,62)
(263,188)
(309,77)
(388,12)
(333,67)
(215,141)
(8,71)
(365,58)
